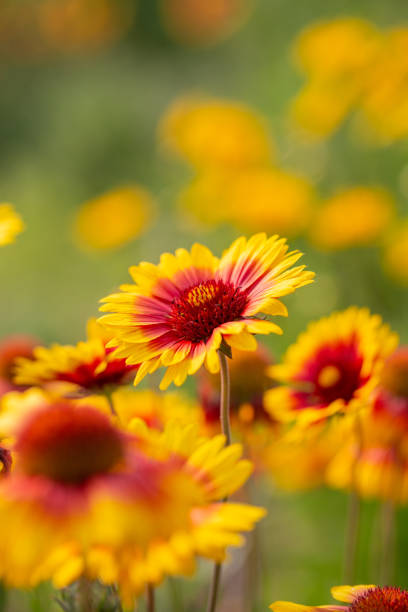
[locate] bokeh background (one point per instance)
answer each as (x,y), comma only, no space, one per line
(85,85)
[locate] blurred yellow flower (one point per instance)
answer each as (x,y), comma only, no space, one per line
(385,102)
(298,463)
(270,200)
(11,224)
(319,108)
(114,218)
(211,132)
(335,55)
(253,199)
(352,217)
(395,255)
(341,47)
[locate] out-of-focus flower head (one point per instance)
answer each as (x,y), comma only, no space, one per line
(179,313)
(362,598)
(253,199)
(395,254)
(39,28)
(374,459)
(156,410)
(88,366)
(198,22)
(115,218)
(84,498)
(248,382)
(353,217)
(215,133)
(335,56)
(11,224)
(394,382)
(332,367)
(11,347)
(385,102)
(300,463)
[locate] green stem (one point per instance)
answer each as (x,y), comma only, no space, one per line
(353,520)
(109,397)
(226,430)
(388,542)
(150,598)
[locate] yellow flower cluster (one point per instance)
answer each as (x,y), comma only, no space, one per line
(351,65)
(238,179)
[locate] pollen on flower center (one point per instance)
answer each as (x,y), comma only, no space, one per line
(68,444)
(201,308)
(381,599)
(329,376)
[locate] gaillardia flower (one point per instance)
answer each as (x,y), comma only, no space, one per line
(375,459)
(88,366)
(179,313)
(362,598)
(85,498)
(332,367)
(11,224)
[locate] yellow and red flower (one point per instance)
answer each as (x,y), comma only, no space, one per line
(11,224)
(374,459)
(332,367)
(86,498)
(11,347)
(179,313)
(89,366)
(362,598)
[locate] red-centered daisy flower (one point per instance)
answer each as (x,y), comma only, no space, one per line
(362,598)
(86,498)
(88,366)
(180,312)
(11,347)
(377,459)
(332,367)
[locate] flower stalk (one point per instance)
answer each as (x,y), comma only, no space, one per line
(226,430)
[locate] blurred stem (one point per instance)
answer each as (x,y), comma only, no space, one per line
(109,396)
(353,518)
(388,542)
(226,430)
(150,598)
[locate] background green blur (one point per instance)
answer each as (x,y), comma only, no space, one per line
(75,125)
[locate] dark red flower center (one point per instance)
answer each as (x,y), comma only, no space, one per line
(381,599)
(68,444)
(202,308)
(86,376)
(334,372)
